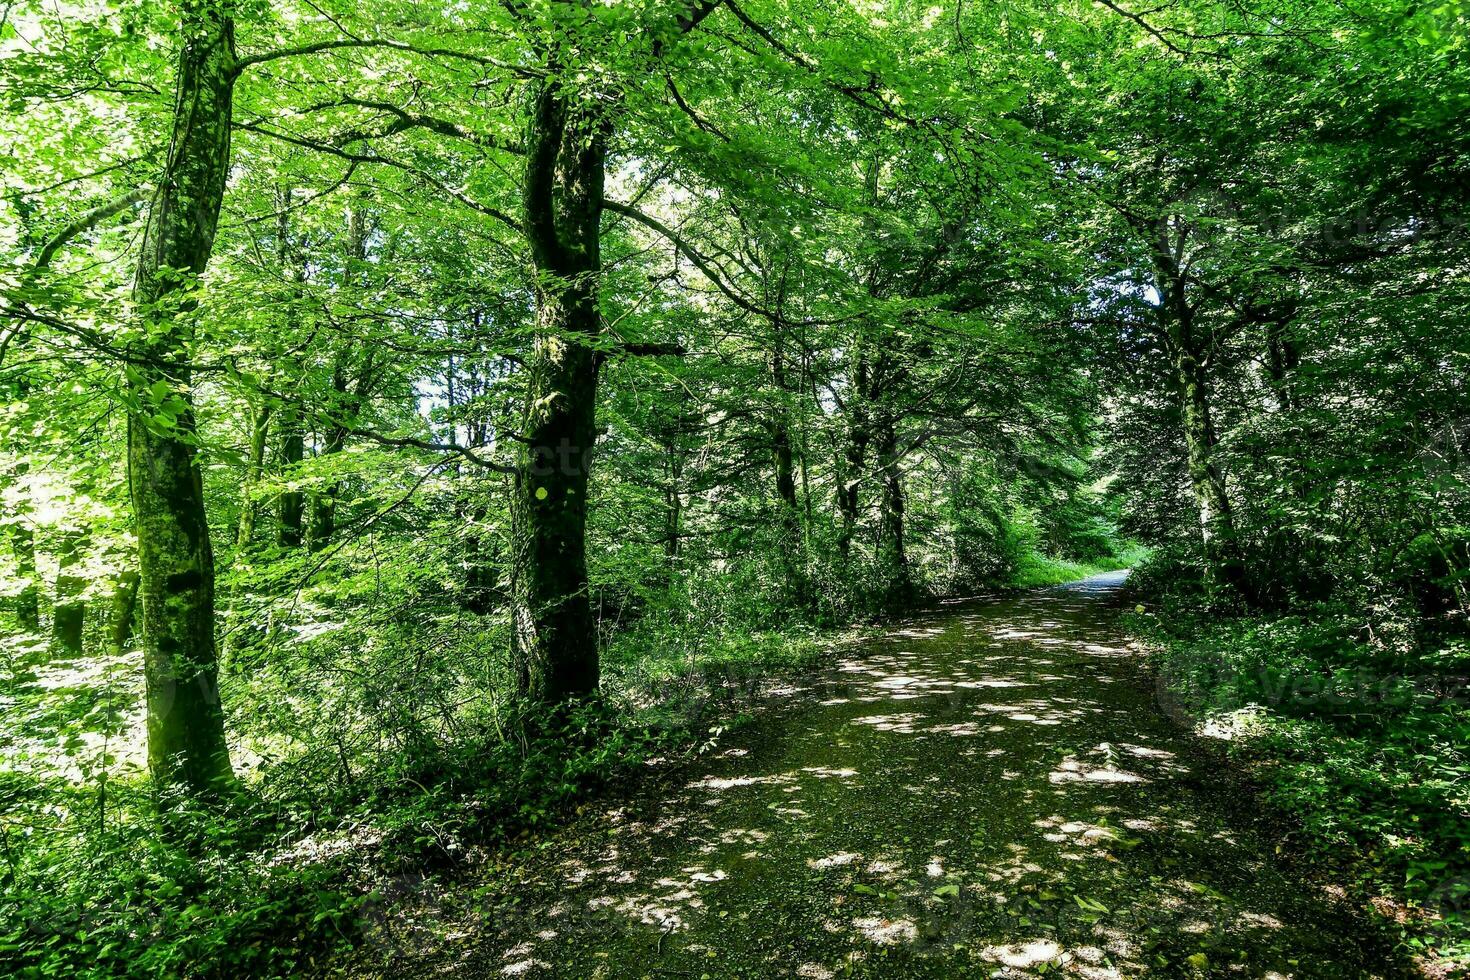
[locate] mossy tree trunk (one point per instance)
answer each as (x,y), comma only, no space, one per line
(854,456)
(349,391)
(124,610)
(349,394)
(254,469)
(782,450)
(23,546)
(186,737)
(554,637)
(1283,354)
(291,503)
(1216,519)
(323,523)
(1189,347)
(555,641)
(673,460)
(784,456)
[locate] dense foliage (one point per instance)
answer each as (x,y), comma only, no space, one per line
(414,412)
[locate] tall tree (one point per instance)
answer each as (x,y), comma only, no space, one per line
(186,735)
(566,146)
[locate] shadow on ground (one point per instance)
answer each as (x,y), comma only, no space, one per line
(989,791)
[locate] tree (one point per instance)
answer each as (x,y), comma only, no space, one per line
(186,735)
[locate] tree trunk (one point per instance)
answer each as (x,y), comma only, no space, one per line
(893,557)
(1283,357)
(254,469)
(124,610)
(324,503)
(290,505)
(1216,519)
(1180,332)
(69,612)
(186,736)
(673,499)
(28,600)
(782,453)
(482,560)
(792,552)
(854,458)
(347,398)
(555,642)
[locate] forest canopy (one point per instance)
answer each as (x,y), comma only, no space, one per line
(389,387)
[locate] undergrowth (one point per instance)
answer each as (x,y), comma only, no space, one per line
(368,761)
(1356,726)
(96,887)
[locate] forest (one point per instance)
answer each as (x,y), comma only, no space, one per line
(734,488)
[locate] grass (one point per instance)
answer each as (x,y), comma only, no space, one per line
(1039,570)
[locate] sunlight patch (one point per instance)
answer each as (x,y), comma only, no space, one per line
(902,723)
(1075,771)
(709,876)
(823,772)
(1023,955)
(886,932)
(731,782)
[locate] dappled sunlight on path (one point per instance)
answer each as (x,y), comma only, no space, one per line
(989,791)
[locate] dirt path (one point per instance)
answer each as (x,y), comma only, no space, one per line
(990,791)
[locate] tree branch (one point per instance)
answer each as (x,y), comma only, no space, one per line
(689,252)
(406,119)
(86,222)
(339,44)
(374,158)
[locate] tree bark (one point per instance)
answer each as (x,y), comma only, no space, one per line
(69,612)
(290,505)
(324,502)
(347,396)
(782,452)
(893,556)
(124,610)
(1189,351)
(854,458)
(1216,516)
(254,469)
(555,641)
(1283,356)
(186,737)
(673,499)
(28,600)
(1216,519)
(792,552)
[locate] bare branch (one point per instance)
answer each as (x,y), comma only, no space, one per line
(443,127)
(438,447)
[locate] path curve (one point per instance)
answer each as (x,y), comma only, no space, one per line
(991,790)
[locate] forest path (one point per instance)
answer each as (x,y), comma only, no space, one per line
(989,790)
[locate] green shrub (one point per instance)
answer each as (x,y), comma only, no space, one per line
(1359,731)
